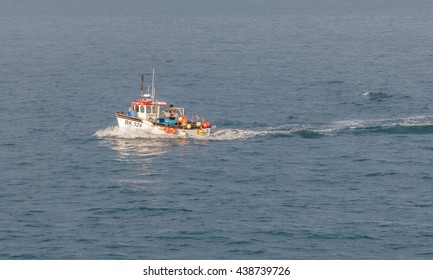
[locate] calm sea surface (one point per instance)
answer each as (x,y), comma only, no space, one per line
(322,145)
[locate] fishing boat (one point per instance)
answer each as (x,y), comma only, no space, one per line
(151,115)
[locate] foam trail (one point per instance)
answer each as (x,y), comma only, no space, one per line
(236,134)
(307,131)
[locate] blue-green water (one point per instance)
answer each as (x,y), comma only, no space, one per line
(323,130)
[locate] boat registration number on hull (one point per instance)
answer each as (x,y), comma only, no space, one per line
(134,124)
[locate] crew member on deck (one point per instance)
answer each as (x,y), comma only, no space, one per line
(172,112)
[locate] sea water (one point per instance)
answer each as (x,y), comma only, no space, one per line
(322,143)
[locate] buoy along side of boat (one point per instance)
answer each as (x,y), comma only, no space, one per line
(148,113)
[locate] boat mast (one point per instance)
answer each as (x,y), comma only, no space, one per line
(153,85)
(142,85)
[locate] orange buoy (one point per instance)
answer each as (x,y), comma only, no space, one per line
(206,125)
(173,130)
(167,129)
(184,121)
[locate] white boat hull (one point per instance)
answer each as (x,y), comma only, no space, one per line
(127,122)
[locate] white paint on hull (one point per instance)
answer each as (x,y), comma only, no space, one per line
(127,122)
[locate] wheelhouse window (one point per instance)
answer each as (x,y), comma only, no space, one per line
(148,109)
(141,109)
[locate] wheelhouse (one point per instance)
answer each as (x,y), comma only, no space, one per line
(146,109)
